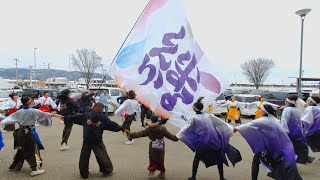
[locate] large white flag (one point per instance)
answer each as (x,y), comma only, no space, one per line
(164,65)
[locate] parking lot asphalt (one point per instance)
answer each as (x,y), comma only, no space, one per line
(131,161)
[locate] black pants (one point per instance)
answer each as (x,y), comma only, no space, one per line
(128,121)
(102,157)
(145,112)
(28,150)
(9,127)
(237,121)
(255,167)
(195,166)
(66,132)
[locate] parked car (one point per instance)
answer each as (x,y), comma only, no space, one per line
(279,97)
(247,98)
(241,91)
(258,92)
(218,110)
(114,93)
(37,93)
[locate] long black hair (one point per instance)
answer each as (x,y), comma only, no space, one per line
(270,110)
(198,106)
(294,98)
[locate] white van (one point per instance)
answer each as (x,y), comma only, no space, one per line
(114,92)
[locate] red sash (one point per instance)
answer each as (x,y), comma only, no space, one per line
(13,110)
(44,108)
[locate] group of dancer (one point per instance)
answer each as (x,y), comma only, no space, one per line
(274,142)
(234,106)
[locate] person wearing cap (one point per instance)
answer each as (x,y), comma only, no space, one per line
(11,106)
(85,102)
(45,102)
(311,123)
(291,123)
(258,105)
(26,140)
(208,136)
(271,145)
(66,107)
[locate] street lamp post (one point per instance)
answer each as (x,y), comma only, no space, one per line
(35,63)
(17,60)
(302,13)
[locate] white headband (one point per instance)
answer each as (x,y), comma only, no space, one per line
(290,101)
(313,101)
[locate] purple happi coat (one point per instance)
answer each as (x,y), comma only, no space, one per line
(266,136)
(1,142)
(291,123)
(209,135)
(311,127)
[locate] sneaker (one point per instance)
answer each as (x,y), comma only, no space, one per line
(162,175)
(35,173)
(151,173)
(311,159)
(64,147)
(129,142)
(36,125)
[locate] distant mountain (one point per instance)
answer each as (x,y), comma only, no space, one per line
(44,74)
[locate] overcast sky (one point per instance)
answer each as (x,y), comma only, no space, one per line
(229,32)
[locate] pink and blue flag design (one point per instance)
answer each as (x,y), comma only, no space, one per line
(164,65)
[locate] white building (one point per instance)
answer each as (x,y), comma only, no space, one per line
(96,82)
(57,83)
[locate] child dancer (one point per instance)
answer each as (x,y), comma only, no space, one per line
(156,132)
(208,136)
(94,123)
(25,137)
(271,146)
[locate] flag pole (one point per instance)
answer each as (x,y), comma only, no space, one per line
(128,34)
(124,42)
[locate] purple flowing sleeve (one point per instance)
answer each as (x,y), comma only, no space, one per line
(1,142)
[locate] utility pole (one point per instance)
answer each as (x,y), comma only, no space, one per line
(102,72)
(30,75)
(17,60)
(35,63)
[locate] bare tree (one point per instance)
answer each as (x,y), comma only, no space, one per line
(257,70)
(86,61)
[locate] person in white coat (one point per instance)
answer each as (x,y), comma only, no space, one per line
(258,105)
(132,108)
(11,106)
(45,103)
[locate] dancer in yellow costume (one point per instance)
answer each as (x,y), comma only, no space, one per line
(233,112)
(258,105)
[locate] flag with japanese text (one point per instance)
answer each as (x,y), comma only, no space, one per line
(161,61)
